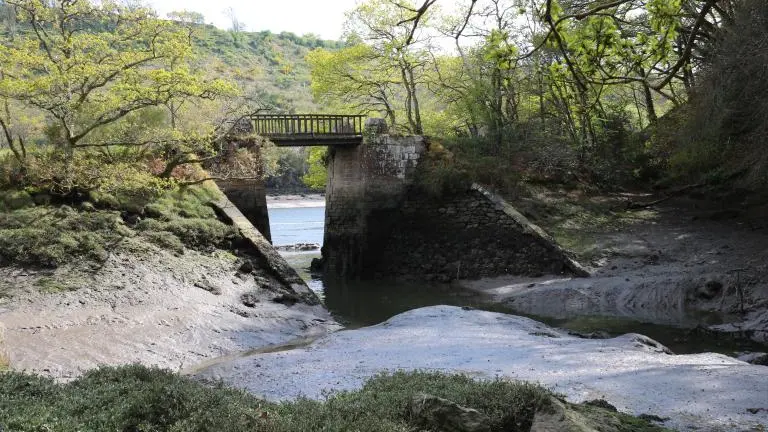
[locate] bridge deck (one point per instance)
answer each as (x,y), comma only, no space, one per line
(310,129)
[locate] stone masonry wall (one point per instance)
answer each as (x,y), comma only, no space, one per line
(366,185)
(468,235)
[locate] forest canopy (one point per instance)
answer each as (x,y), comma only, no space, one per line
(570,86)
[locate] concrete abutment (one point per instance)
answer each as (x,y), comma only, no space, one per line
(380,224)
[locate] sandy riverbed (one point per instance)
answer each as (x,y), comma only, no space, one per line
(295,201)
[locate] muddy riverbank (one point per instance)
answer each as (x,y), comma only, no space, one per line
(155,308)
(682,264)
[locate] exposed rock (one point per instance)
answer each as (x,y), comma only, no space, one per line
(755,358)
(299,247)
(286,299)
(249,300)
(556,417)
(246,267)
(601,403)
(440,414)
(317,265)
(600,334)
(376,126)
(754,326)
(710,289)
(208,286)
(653,418)
(648,343)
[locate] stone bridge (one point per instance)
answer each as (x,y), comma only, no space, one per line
(380,223)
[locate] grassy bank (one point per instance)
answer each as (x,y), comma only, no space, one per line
(36,231)
(135,398)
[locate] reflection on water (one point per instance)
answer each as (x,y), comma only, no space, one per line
(366,303)
(362,303)
(358,304)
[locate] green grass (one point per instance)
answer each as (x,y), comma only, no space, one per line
(136,398)
(5,362)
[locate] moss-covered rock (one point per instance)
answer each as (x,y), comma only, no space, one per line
(4,360)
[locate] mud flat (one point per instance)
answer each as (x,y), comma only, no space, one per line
(295,201)
(684,267)
(153,308)
(707,391)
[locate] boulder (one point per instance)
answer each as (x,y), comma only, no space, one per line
(755,358)
(434,413)
(556,417)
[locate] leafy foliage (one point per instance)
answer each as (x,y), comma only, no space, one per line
(139,398)
(317,175)
(50,234)
(724,127)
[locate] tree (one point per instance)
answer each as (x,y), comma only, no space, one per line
(88,67)
(356,78)
(317,174)
(397,44)
(237,27)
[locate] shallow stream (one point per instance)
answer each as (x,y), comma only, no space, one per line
(357,304)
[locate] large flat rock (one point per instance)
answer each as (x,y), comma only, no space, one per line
(709,391)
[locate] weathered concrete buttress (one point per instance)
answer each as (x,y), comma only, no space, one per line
(367,185)
(249,195)
(380,224)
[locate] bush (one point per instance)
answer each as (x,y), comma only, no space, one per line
(119,184)
(440,174)
(183,216)
(136,398)
(726,124)
(50,236)
(381,404)
(131,398)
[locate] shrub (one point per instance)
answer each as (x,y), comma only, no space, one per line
(439,174)
(164,239)
(127,398)
(185,214)
(50,236)
(381,404)
(119,184)
(136,398)
(726,122)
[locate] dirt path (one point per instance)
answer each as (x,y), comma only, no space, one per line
(153,308)
(688,263)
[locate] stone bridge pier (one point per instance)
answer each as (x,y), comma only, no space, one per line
(379,222)
(367,186)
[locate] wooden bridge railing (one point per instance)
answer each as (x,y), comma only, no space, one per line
(308,125)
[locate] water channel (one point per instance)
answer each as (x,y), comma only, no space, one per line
(357,304)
